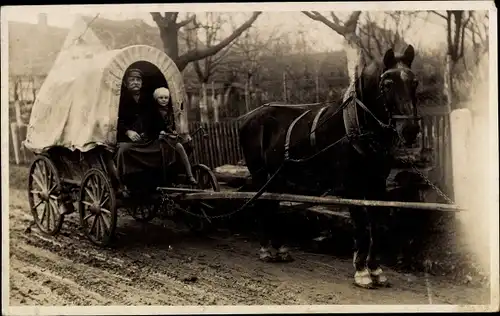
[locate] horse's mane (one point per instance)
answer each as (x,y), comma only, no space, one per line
(367,75)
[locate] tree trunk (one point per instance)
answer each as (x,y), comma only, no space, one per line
(285,97)
(448,84)
(353,52)
(317,86)
(203,104)
(169,38)
(219,103)
(17,108)
(247,95)
(215,104)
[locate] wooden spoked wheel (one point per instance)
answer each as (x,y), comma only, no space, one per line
(206,181)
(97,206)
(44,186)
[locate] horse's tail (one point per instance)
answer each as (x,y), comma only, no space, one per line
(251,137)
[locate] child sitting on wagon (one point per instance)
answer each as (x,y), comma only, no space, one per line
(162,98)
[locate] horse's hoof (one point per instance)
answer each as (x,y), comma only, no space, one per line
(379,279)
(266,256)
(363,280)
(284,256)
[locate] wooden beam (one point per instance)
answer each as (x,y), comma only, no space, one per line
(331,200)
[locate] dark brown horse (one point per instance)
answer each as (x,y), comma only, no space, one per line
(344,149)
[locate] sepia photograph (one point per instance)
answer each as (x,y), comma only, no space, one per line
(250,158)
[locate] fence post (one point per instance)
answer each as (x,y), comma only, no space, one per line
(461,125)
(15,141)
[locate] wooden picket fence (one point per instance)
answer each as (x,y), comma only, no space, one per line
(436,136)
(222,145)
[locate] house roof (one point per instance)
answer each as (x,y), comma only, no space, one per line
(33,48)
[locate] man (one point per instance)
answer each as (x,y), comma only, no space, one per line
(139,124)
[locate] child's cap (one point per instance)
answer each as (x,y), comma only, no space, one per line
(161,92)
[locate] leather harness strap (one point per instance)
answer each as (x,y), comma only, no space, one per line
(351,120)
(314,124)
(289,133)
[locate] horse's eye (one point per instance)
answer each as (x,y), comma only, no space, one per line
(415,83)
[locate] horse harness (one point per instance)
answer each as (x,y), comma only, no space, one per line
(351,120)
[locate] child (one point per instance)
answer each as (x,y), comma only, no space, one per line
(162,97)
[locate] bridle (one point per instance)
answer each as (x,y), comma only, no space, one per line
(381,95)
(382,81)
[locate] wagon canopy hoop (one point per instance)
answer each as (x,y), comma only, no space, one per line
(77,105)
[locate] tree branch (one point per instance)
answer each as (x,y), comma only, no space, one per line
(335,18)
(197,54)
(159,19)
(352,21)
(319,17)
(439,14)
(186,21)
(173,16)
(197,69)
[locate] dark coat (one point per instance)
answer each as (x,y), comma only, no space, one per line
(167,114)
(142,117)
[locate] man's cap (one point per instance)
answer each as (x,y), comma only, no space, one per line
(134,72)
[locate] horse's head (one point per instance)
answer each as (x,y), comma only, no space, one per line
(397,87)
(388,88)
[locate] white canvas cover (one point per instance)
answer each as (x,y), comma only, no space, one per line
(77,106)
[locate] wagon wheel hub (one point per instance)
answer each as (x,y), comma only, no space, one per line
(44,196)
(95,209)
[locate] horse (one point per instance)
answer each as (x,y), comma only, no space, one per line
(345,148)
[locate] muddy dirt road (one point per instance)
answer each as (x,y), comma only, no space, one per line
(162,264)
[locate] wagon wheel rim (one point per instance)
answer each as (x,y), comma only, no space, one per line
(44,187)
(206,181)
(97,208)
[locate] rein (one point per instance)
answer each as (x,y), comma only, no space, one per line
(351,97)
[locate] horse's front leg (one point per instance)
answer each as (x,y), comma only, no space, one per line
(376,221)
(362,243)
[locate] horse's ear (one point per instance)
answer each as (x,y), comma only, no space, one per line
(389,58)
(408,56)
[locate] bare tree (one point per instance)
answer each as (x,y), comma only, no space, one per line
(169,32)
(347,30)
(206,34)
(479,34)
(389,30)
(210,30)
(457,22)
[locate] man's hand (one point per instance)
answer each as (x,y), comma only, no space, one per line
(134,136)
